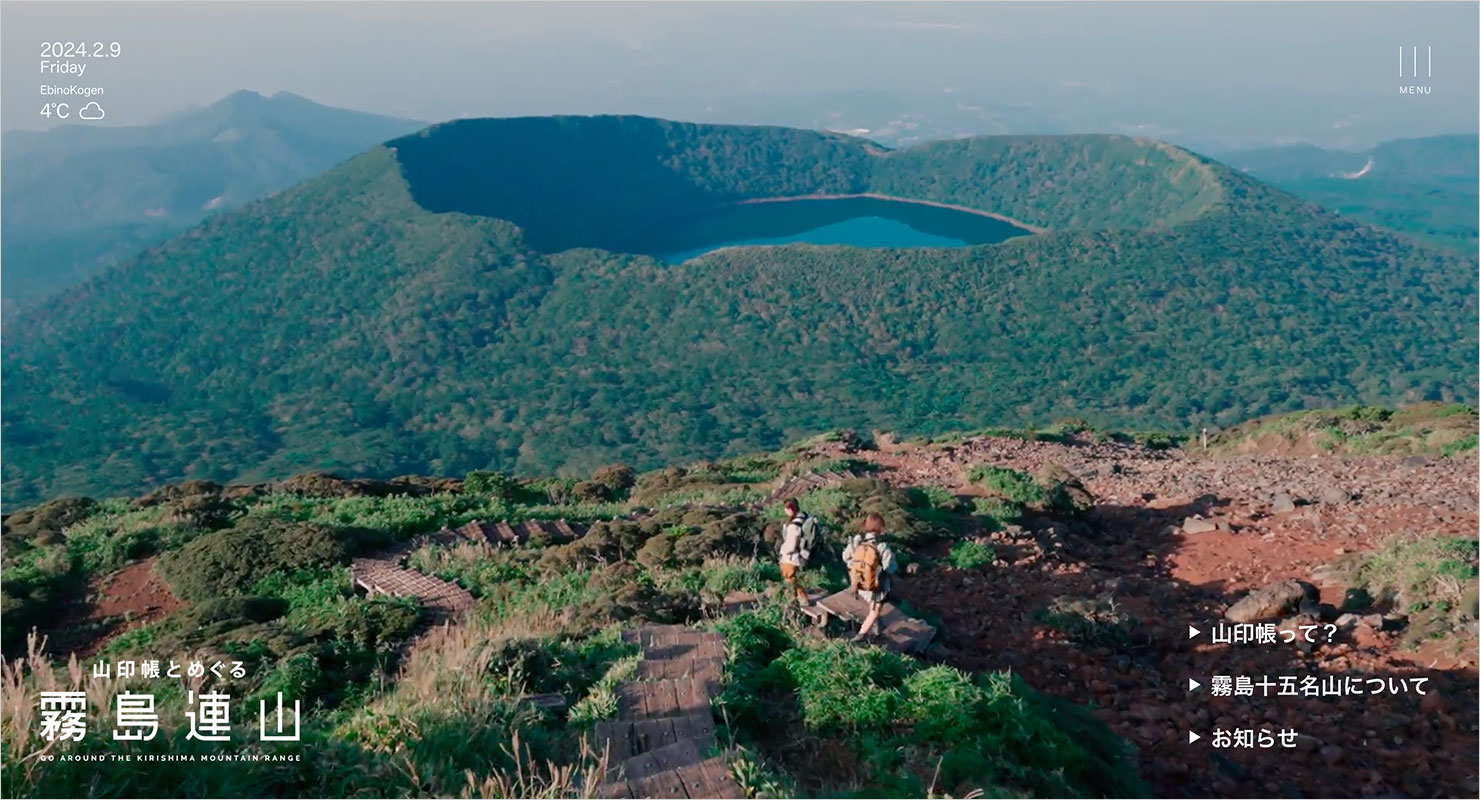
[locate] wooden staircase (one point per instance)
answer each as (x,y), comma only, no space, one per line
(664,726)
(798,485)
(505,533)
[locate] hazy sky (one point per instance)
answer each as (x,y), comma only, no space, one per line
(1195,73)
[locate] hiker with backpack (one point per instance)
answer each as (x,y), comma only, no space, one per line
(870,564)
(798,537)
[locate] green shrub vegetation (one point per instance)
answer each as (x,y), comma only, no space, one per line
(396,516)
(231,561)
(967,554)
(1009,493)
(38,582)
(1435,428)
(917,731)
(1010,485)
(1094,622)
(994,512)
(1433,579)
(499,485)
(1463,445)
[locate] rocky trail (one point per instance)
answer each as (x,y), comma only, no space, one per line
(1175,540)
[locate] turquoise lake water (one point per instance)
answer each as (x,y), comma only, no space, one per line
(855,221)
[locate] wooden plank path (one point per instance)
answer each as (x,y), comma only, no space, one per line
(505,533)
(664,725)
(442,601)
(896,630)
(798,485)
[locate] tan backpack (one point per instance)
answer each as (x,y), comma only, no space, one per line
(864,569)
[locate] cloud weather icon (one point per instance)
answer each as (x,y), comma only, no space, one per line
(91,111)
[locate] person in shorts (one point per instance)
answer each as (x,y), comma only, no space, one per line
(871,564)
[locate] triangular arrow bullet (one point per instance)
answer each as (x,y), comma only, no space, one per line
(1192,685)
(1192,632)
(1192,737)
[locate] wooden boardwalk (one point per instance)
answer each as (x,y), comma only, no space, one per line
(896,630)
(798,485)
(504,533)
(657,744)
(385,572)
(442,601)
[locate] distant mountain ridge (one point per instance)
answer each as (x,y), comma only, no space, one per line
(1446,157)
(460,299)
(1427,187)
(78,198)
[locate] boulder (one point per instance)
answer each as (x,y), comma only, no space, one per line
(1282,503)
(1328,572)
(1151,712)
(1195,525)
(1273,601)
(1332,496)
(1066,491)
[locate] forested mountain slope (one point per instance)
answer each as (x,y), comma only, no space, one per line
(382,318)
